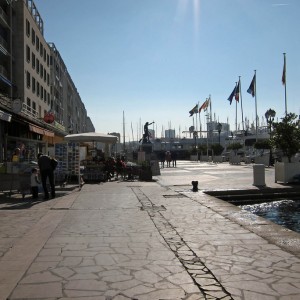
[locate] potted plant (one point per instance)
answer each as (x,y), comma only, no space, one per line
(203,153)
(194,154)
(235,147)
(263,158)
(217,151)
(286,137)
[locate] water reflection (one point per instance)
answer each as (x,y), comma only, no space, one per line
(283,212)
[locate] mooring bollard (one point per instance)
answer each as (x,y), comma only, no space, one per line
(195,186)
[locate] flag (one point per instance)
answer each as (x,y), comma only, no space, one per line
(237,92)
(232,95)
(194,110)
(204,105)
(252,87)
(283,79)
(208,103)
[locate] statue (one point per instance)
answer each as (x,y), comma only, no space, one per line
(146,135)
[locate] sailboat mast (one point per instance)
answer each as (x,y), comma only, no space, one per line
(123,131)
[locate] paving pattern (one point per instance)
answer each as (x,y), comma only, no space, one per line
(147,240)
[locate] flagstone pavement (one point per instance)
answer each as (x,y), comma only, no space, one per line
(148,240)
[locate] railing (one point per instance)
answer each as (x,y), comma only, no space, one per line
(5,102)
(3,43)
(3,71)
(3,15)
(28,111)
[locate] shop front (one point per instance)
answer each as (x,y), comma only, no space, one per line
(21,141)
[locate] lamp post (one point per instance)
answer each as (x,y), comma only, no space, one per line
(219,128)
(270,115)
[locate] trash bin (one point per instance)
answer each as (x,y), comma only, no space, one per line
(259,175)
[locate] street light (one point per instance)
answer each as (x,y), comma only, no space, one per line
(219,128)
(270,115)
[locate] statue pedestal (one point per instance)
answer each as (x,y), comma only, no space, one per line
(147,148)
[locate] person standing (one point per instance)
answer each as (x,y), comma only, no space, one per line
(34,183)
(168,158)
(174,158)
(162,159)
(46,171)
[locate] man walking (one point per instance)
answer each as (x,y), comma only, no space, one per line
(46,171)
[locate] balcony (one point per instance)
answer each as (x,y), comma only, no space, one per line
(3,46)
(3,18)
(29,112)
(5,102)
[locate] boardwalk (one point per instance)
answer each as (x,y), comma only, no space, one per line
(148,240)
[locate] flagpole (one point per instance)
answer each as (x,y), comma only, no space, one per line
(210,127)
(285,100)
(235,113)
(255,92)
(196,119)
(240,93)
(200,124)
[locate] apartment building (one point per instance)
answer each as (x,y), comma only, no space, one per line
(39,103)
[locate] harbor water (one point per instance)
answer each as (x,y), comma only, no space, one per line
(282,212)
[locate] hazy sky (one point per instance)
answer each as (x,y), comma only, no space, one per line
(156,59)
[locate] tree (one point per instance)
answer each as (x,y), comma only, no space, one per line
(217,149)
(235,147)
(286,135)
(263,144)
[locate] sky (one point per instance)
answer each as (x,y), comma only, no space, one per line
(137,61)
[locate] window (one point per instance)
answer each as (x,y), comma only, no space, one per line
(45,75)
(41,49)
(33,60)
(32,36)
(28,104)
(37,88)
(45,95)
(48,79)
(33,84)
(48,96)
(37,66)
(41,70)
(37,40)
(27,53)
(28,79)
(27,28)
(45,56)
(33,106)
(42,92)
(48,60)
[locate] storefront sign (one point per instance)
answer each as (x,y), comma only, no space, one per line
(4,116)
(17,106)
(49,117)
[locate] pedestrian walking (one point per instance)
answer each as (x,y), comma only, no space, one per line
(162,159)
(174,158)
(120,167)
(168,158)
(46,171)
(34,183)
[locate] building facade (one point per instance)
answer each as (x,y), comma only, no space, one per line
(39,103)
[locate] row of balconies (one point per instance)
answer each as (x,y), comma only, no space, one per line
(3,17)
(3,45)
(3,71)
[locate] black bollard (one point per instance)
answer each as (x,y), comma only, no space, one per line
(195,186)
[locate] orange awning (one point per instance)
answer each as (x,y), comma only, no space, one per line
(40,130)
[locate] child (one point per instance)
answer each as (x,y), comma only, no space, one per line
(34,182)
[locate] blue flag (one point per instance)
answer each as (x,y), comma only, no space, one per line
(252,88)
(232,95)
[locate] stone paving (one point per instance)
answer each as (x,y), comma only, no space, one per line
(147,240)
